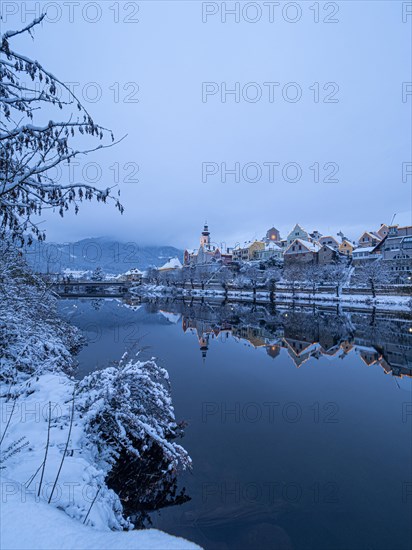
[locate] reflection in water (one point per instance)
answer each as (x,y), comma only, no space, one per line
(145,485)
(321,472)
(384,340)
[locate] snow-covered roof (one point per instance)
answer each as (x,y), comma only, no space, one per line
(371,234)
(272,246)
(74,272)
(298,227)
(312,247)
(328,237)
(328,246)
(171,317)
(365,348)
(363,249)
(173,263)
(247,245)
(133,271)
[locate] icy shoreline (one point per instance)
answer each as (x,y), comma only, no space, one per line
(387,302)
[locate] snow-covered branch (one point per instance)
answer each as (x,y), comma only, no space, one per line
(30,147)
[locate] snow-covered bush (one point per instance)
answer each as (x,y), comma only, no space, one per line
(33,339)
(130,422)
(98,274)
(128,408)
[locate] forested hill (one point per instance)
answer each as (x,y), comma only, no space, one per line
(112,256)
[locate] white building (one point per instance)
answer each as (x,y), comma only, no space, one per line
(171,265)
(271,251)
(297,233)
(363,253)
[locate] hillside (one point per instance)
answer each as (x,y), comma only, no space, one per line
(112,256)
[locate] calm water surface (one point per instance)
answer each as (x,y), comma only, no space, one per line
(297,420)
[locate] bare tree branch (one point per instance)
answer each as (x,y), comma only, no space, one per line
(30,147)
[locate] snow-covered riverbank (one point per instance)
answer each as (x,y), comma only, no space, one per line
(60,438)
(74,518)
(384,302)
(40,526)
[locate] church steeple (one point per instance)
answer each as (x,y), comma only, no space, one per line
(204,345)
(205,237)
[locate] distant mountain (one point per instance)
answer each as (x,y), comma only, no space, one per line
(112,256)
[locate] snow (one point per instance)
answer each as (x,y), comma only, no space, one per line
(312,247)
(362,249)
(285,294)
(395,303)
(370,234)
(79,477)
(55,454)
(171,317)
(36,525)
(131,306)
(75,273)
(49,525)
(325,238)
(173,263)
(369,349)
(133,271)
(272,246)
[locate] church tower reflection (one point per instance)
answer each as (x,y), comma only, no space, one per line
(303,334)
(204,345)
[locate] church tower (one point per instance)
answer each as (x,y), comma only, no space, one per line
(204,345)
(205,237)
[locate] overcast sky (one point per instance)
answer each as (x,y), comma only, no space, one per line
(352,126)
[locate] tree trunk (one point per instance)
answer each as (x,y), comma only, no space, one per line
(373,288)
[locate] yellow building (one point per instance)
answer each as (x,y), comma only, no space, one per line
(368,238)
(346,247)
(247,252)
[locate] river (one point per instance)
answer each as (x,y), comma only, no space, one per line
(298,420)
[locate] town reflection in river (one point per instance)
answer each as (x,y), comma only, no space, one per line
(298,419)
(384,340)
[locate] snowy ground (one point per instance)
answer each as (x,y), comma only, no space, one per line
(397,303)
(37,525)
(60,524)
(79,478)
